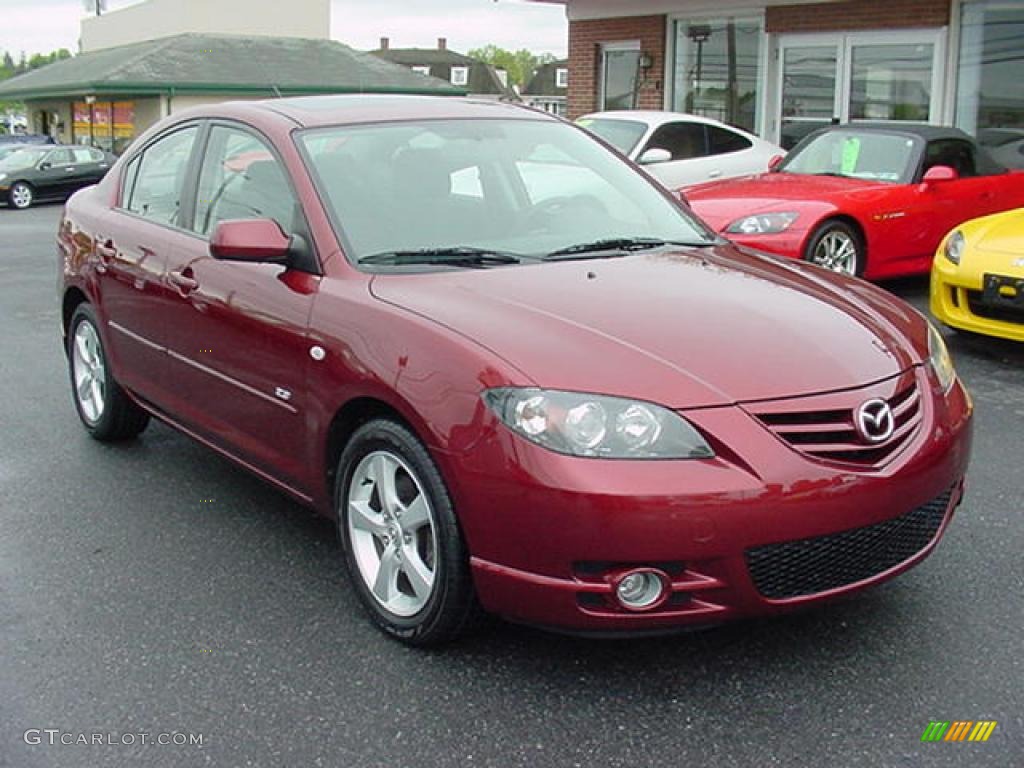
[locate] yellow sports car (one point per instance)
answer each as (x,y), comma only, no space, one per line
(978,276)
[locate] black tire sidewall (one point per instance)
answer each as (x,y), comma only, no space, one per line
(830,225)
(445,611)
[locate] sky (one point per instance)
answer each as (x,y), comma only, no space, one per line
(40,26)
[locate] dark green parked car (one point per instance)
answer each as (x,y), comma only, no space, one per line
(35,173)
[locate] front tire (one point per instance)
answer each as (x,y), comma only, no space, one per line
(402,543)
(107,413)
(837,246)
(20,195)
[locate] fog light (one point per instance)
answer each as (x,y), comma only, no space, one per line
(641,589)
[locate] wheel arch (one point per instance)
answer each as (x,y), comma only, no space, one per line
(73,297)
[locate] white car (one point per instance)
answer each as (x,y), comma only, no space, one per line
(680,150)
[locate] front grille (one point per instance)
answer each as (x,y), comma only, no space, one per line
(1005,314)
(806,567)
(829,433)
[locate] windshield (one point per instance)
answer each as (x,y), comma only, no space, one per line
(870,155)
(624,135)
(516,187)
(21,158)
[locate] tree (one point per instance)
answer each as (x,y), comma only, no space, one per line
(8,69)
(520,64)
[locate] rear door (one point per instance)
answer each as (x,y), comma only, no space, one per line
(132,246)
(238,332)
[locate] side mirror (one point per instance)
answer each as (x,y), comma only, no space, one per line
(252,240)
(939,173)
(655,155)
(775,162)
(45,166)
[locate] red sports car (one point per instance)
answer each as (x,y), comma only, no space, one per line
(867,200)
(516,371)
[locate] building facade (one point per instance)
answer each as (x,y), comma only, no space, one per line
(781,68)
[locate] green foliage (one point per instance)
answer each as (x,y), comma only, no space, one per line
(8,68)
(520,64)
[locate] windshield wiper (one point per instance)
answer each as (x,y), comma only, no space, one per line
(456,255)
(615,246)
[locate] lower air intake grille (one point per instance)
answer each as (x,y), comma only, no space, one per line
(809,566)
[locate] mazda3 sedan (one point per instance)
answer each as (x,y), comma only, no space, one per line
(519,374)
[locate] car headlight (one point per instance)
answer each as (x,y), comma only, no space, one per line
(762,224)
(3,176)
(939,359)
(579,424)
(955,246)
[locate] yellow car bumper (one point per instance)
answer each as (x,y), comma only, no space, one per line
(956,300)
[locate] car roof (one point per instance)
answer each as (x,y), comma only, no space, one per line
(923,130)
(657,117)
(352,109)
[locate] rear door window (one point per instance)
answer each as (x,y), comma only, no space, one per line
(158,186)
(683,140)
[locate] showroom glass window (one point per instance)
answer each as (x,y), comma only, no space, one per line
(990,87)
(718,69)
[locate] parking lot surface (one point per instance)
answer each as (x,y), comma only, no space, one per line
(154,588)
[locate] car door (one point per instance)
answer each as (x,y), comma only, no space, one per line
(966,197)
(687,143)
(52,177)
(238,332)
(90,166)
(132,242)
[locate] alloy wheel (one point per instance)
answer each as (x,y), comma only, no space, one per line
(21,195)
(89,371)
(837,251)
(393,533)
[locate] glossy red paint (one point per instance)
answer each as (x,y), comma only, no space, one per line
(901,224)
(249,240)
(227,352)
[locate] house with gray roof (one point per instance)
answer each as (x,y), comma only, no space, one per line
(106,97)
(548,88)
(479,78)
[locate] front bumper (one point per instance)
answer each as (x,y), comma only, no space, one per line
(549,534)
(955,293)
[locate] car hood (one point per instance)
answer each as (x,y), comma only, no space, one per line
(689,328)
(1003,233)
(720,203)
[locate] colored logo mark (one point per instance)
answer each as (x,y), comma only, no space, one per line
(959,730)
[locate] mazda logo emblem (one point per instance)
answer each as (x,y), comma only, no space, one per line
(874,421)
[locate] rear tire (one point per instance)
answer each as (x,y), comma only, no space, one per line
(107,413)
(401,539)
(837,246)
(20,195)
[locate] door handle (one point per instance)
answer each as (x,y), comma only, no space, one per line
(183,281)
(714,174)
(107,251)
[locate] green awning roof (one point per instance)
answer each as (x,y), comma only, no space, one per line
(194,63)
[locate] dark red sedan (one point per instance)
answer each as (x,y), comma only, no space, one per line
(519,375)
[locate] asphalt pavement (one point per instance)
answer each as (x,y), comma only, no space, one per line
(154,588)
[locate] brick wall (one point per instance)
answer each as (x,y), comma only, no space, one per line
(857,14)
(585,38)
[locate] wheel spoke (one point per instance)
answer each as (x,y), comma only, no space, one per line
(385,584)
(84,387)
(420,577)
(365,519)
(383,472)
(83,348)
(416,514)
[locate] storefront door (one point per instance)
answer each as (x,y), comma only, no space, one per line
(877,76)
